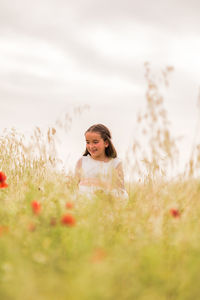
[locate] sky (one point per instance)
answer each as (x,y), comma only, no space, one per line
(58,55)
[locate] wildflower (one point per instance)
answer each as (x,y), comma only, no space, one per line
(175,213)
(3,183)
(69,205)
(3,229)
(2,177)
(68,220)
(36,207)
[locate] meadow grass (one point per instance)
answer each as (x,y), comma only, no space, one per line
(140,251)
(148,249)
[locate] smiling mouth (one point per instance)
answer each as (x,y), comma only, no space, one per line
(93,151)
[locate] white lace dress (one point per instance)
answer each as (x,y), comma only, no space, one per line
(99,175)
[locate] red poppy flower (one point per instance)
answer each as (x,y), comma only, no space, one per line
(175,213)
(69,205)
(2,177)
(68,220)
(3,229)
(36,207)
(3,183)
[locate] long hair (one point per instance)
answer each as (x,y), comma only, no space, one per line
(106,136)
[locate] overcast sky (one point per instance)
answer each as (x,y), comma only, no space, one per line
(56,55)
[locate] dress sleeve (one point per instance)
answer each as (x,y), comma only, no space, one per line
(117,161)
(78,169)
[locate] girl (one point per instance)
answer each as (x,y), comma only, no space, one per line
(99,168)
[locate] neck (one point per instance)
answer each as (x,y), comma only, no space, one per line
(103,158)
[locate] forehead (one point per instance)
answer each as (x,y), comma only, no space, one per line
(92,136)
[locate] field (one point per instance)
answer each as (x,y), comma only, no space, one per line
(54,245)
(149,249)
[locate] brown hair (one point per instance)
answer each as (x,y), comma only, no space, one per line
(106,136)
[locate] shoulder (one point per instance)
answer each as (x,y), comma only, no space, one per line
(116,162)
(79,163)
(82,160)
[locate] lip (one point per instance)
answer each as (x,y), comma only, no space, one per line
(93,152)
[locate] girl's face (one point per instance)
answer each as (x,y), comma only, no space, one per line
(96,145)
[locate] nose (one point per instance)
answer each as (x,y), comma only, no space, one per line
(91,146)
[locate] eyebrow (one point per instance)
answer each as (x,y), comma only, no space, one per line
(95,140)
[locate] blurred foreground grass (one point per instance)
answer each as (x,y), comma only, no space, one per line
(140,251)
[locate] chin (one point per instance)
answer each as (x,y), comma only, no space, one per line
(94,155)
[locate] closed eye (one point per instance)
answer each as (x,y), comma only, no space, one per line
(95,142)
